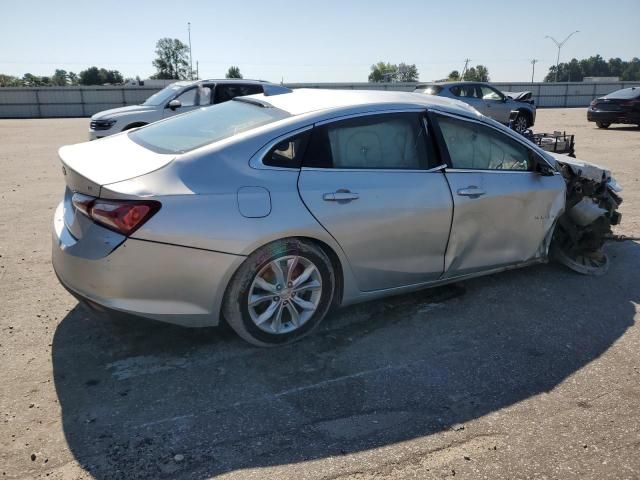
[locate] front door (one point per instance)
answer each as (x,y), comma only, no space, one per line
(504,211)
(370,182)
(496,105)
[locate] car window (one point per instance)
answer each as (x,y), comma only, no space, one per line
(225,93)
(489,93)
(204,126)
(474,146)
(188,98)
(387,141)
(465,91)
(429,89)
(204,95)
(625,93)
(287,153)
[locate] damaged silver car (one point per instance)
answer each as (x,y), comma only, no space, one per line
(269,210)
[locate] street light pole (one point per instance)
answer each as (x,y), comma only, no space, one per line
(559,45)
(190,55)
(533,68)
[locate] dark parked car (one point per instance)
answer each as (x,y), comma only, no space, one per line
(621,106)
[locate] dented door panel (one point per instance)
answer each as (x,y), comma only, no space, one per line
(500,218)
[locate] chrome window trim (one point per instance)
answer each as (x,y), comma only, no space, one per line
(524,142)
(369,113)
(256,159)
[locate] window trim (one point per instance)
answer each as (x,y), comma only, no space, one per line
(444,151)
(256,160)
(427,138)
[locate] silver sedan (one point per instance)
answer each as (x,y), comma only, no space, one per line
(270,210)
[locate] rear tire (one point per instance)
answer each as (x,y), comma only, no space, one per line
(291,285)
(603,124)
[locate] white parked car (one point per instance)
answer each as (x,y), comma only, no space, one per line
(179,97)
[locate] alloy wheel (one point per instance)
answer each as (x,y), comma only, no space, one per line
(285,294)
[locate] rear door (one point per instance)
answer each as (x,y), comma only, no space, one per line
(372,182)
(504,210)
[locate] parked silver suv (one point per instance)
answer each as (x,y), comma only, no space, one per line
(488,100)
(179,97)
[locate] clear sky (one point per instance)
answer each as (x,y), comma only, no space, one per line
(314,41)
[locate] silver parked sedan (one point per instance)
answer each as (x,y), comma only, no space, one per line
(269,210)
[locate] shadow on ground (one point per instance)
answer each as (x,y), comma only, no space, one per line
(136,394)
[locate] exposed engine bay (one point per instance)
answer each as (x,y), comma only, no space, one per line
(590,212)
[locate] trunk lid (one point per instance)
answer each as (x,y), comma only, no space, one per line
(89,166)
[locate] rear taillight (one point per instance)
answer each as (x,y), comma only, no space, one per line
(122,216)
(631,103)
(593,103)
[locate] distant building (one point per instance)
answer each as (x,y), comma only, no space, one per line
(601,79)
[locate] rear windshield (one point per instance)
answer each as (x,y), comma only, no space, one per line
(625,93)
(204,126)
(428,89)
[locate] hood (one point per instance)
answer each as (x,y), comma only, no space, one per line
(586,170)
(88,166)
(114,112)
(520,96)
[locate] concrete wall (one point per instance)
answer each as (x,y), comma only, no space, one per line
(48,102)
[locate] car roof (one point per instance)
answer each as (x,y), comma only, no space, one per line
(186,83)
(306,100)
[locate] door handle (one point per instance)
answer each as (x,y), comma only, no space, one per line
(340,196)
(471,191)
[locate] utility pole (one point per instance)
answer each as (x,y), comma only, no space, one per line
(533,68)
(190,55)
(466,63)
(197,70)
(559,45)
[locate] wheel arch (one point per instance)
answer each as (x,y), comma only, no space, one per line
(328,250)
(527,113)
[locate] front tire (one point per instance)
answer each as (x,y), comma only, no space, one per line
(603,124)
(280,293)
(521,123)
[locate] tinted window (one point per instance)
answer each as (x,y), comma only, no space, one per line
(390,141)
(287,153)
(477,147)
(228,92)
(203,126)
(625,93)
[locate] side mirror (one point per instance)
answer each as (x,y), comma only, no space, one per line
(173,104)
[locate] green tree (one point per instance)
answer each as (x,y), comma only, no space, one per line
(29,80)
(407,73)
(233,72)
(383,72)
(59,78)
(90,76)
(454,75)
(595,66)
(9,81)
(171,59)
(479,73)
(73,78)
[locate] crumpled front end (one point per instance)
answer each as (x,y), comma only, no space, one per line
(590,212)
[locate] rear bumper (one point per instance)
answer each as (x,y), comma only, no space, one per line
(169,283)
(611,117)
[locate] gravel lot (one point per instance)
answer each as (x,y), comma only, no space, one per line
(528,374)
